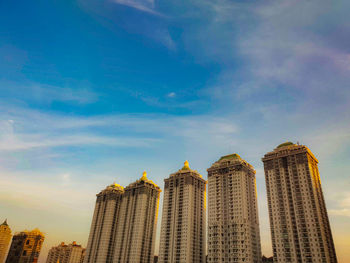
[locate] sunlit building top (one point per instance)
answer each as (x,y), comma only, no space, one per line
(5,239)
(186,169)
(113,188)
(144,180)
(231,159)
(288,148)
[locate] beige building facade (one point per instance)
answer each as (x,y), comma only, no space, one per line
(100,247)
(124,223)
(5,239)
(233,223)
(183,227)
(26,247)
(300,228)
(137,223)
(72,253)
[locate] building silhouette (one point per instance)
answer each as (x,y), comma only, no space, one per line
(183,227)
(63,253)
(300,228)
(233,223)
(137,222)
(25,247)
(5,239)
(100,247)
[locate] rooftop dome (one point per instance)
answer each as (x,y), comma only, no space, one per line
(186,166)
(230,156)
(145,179)
(116,186)
(285,144)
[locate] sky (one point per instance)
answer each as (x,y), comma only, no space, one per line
(97,91)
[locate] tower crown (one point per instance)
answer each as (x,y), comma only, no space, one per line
(145,180)
(285,144)
(230,159)
(186,166)
(115,186)
(144,176)
(230,156)
(5,223)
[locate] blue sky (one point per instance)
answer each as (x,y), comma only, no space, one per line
(96,91)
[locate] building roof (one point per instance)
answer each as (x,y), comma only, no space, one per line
(113,188)
(230,156)
(288,148)
(34,232)
(186,166)
(116,186)
(144,179)
(230,159)
(186,169)
(285,144)
(5,223)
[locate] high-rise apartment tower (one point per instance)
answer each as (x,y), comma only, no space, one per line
(183,228)
(124,224)
(233,223)
(5,239)
(25,247)
(300,228)
(137,222)
(100,248)
(63,253)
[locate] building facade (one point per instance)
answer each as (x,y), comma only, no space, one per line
(25,247)
(5,239)
(137,222)
(233,223)
(63,253)
(300,228)
(100,247)
(183,228)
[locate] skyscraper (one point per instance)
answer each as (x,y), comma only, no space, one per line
(182,237)
(25,247)
(63,253)
(100,248)
(233,223)
(5,239)
(300,229)
(137,222)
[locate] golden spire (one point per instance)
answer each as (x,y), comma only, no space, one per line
(144,176)
(186,166)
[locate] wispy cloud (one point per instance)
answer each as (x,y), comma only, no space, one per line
(45,94)
(142,5)
(23,129)
(13,141)
(343,208)
(171,95)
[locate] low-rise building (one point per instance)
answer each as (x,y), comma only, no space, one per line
(72,253)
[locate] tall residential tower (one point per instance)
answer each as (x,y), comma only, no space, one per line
(233,223)
(100,248)
(137,223)
(182,238)
(300,228)
(5,239)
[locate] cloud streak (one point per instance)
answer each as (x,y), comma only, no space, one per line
(45,94)
(147,6)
